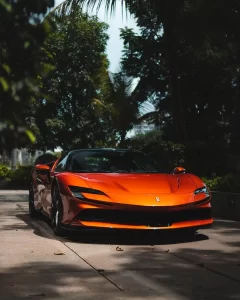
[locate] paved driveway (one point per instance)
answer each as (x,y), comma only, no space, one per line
(36,265)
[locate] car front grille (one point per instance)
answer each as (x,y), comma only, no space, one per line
(138,218)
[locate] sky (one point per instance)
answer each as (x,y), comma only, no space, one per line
(115,22)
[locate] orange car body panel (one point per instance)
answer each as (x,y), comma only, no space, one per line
(128,195)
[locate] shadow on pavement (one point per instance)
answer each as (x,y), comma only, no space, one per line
(22,222)
(141,275)
(235,244)
(192,271)
(133,237)
(41,226)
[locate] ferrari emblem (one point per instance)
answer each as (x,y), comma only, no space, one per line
(157,199)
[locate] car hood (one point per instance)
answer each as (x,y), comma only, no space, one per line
(141,183)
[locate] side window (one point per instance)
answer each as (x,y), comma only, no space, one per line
(61,166)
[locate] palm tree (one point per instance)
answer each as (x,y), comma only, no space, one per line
(110,5)
(122,98)
(167,12)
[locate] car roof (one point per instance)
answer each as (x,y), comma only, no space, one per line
(103,149)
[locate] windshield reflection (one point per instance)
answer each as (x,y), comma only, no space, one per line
(113,162)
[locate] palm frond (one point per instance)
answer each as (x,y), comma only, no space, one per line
(110,6)
(124,82)
(140,92)
(98,103)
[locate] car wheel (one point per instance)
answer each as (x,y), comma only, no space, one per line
(57,212)
(33,213)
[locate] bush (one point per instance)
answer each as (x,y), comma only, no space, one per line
(228,183)
(167,154)
(21,175)
(205,159)
(5,172)
(212,184)
(16,179)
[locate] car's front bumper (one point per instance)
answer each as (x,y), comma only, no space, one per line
(140,217)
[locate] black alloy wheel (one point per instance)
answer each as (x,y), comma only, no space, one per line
(33,213)
(57,212)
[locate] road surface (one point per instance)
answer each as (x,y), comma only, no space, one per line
(36,265)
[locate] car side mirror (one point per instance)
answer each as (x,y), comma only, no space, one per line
(179,170)
(41,167)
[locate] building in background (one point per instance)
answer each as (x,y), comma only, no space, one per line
(144,126)
(18,157)
(23,157)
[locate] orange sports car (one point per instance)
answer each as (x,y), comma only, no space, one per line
(119,189)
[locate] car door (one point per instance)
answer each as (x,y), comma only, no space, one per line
(41,182)
(47,196)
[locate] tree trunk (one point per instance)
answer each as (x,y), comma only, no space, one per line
(171,54)
(122,138)
(235,123)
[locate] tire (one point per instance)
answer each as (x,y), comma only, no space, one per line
(57,212)
(33,213)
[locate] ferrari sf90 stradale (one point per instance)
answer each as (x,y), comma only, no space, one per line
(119,189)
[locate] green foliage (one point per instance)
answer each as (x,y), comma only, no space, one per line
(142,140)
(21,65)
(120,102)
(167,154)
(21,175)
(213,184)
(71,119)
(203,66)
(198,83)
(186,57)
(228,183)
(5,172)
(18,178)
(205,158)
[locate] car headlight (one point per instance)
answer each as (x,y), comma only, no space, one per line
(202,190)
(77,191)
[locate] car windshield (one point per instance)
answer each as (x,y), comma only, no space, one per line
(112,162)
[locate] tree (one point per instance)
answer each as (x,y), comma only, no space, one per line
(121,101)
(70,118)
(196,24)
(166,14)
(207,63)
(21,65)
(194,72)
(143,58)
(167,154)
